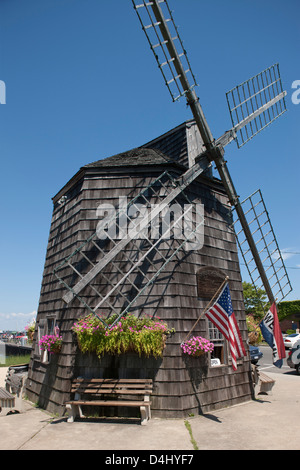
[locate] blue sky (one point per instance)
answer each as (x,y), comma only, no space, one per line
(82,84)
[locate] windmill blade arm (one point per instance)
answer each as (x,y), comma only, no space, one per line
(226,138)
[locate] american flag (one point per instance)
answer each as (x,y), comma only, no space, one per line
(221,314)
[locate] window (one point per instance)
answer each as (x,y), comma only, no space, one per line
(50,325)
(45,327)
(219,342)
(41,332)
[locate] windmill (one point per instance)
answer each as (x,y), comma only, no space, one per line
(132,261)
(253,105)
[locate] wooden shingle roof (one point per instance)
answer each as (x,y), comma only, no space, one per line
(134,157)
(177,147)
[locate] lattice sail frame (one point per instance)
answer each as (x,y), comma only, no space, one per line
(158,45)
(267,246)
(130,272)
(256,103)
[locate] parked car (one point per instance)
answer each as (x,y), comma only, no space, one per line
(255,354)
(290,340)
(293,359)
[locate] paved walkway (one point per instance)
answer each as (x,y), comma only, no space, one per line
(269,423)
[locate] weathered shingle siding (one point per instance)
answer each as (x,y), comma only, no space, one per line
(182,385)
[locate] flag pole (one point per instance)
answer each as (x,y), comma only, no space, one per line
(207,307)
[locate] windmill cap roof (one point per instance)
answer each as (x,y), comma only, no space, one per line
(138,157)
(135,157)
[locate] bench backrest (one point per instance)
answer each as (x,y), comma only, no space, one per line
(112,386)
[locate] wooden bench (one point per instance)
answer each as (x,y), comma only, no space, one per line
(110,392)
(11,395)
(262,382)
(266,383)
(7,400)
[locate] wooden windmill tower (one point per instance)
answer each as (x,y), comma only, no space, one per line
(132,261)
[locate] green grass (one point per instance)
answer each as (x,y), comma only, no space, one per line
(189,428)
(15,360)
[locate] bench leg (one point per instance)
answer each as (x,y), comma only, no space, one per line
(73,411)
(144,415)
(145,410)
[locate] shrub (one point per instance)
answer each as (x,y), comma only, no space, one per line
(254,331)
(30,330)
(143,335)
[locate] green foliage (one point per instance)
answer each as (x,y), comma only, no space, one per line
(15,360)
(287,308)
(254,331)
(289,332)
(145,336)
(254,300)
(31,326)
(189,428)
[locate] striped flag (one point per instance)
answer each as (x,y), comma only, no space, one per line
(271,332)
(221,314)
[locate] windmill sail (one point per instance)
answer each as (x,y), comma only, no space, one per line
(170,56)
(256,103)
(265,240)
(253,105)
(163,40)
